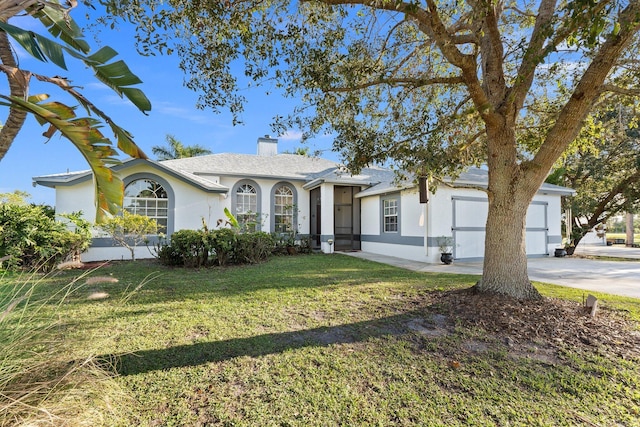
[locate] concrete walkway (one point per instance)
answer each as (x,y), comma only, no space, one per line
(613,277)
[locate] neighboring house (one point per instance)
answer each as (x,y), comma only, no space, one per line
(285,193)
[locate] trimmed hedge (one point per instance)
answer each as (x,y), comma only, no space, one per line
(223,246)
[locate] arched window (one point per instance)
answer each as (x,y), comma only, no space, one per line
(283,209)
(247,206)
(147,197)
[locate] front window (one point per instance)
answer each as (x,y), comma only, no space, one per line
(147,197)
(247,206)
(390,208)
(283,209)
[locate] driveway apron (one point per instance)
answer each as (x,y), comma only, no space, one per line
(613,277)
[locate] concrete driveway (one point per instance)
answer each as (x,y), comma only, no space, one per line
(614,277)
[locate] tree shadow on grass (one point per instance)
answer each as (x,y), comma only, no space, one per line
(260,345)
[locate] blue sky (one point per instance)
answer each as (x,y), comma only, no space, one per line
(173,112)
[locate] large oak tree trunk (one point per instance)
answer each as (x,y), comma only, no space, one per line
(510,192)
(505,259)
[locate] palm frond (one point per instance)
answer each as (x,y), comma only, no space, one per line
(97,150)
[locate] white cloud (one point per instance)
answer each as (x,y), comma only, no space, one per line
(189,114)
(291,135)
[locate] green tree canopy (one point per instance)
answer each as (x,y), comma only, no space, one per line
(603,166)
(433,85)
(83,132)
(176,150)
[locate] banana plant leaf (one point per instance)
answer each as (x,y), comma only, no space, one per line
(97,150)
(115,75)
(231,219)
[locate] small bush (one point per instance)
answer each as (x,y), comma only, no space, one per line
(305,246)
(31,238)
(191,246)
(223,243)
(255,247)
(129,230)
(291,243)
(168,255)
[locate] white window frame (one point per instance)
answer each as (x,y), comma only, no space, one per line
(246,204)
(283,209)
(391,209)
(154,205)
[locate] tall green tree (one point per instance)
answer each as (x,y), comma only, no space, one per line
(176,150)
(603,166)
(83,132)
(432,84)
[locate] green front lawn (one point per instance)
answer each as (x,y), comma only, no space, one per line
(325,341)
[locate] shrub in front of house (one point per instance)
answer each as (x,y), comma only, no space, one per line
(223,246)
(190,246)
(223,243)
(168,255)
(31,238)
(291,243)
(254,247)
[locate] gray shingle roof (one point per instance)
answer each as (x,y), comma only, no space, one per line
(285,166)
(472,177)
(311,170)
(71,178)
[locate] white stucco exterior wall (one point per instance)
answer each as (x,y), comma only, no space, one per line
(412,214)
(408,243)
(190,206)
(437,219)
(371,219)
(80,197)
(265,188)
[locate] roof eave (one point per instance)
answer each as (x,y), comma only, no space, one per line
(52,182)
(382,191)
(260,176)
(562,191)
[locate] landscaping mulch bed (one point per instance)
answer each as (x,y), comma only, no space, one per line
(550,322)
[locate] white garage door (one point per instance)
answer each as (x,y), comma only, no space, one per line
(469,227)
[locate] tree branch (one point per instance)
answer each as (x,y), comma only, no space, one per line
(532,56)
(537,50)
(569,121)
(604,204)
(620,90)
(429,22)
(413,82)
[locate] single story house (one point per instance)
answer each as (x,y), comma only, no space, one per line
(310,196)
